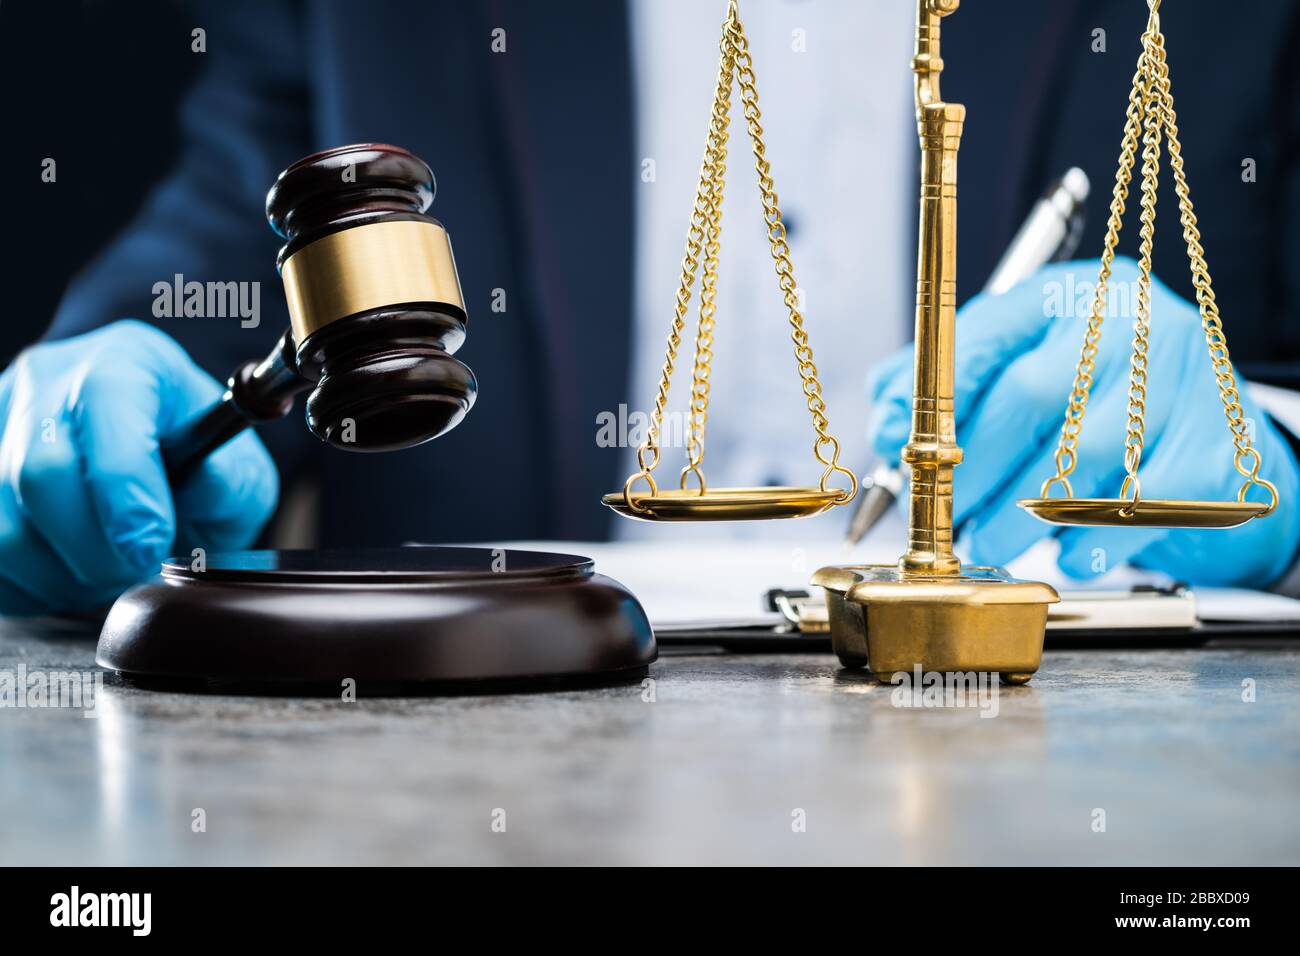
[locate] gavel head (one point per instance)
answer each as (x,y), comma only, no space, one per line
(375,305)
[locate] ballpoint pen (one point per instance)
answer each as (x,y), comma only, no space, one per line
(1050,233)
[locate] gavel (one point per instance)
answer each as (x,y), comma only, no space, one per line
(375,313)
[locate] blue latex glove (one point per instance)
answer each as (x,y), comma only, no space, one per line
(1014,368)
(85,508)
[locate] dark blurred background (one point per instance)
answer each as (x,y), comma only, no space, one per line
(94,86)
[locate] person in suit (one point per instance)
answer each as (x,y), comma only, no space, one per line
(565,143)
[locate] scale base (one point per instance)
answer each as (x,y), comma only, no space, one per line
(978,620)
(466,618)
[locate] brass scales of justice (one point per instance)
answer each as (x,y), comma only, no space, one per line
(928,610)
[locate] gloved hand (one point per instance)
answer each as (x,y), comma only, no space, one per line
(85,507)
(1016,357)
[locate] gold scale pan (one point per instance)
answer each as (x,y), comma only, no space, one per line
(700,503)
(1151,114)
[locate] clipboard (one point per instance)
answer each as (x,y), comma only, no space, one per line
(1142,616)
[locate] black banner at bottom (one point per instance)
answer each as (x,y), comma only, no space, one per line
(102,905)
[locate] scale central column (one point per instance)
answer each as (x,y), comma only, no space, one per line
(926,610)
(932,451)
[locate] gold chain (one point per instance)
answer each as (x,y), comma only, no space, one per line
(715,166)
(1067,449)
(803,354)
(1151,110)
(648,455)
(735,63)
(1246,458)
(1137,382)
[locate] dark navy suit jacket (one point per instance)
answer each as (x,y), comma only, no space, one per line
(534,154)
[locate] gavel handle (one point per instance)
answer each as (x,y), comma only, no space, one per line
(256,392)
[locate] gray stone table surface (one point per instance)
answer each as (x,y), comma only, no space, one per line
(736,759)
